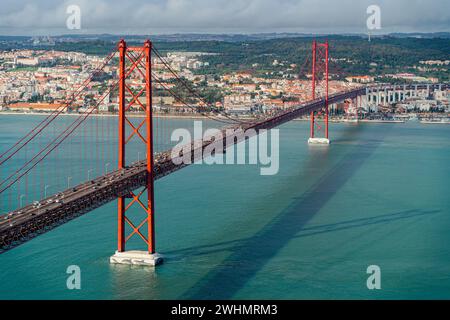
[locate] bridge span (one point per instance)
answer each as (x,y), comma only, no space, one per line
(27,222)
(136,82)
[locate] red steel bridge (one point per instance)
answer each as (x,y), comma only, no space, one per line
(42,186)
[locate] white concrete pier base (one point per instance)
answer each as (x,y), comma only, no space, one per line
(138,258)
(323,141)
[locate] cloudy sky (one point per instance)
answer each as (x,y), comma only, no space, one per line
(41,17)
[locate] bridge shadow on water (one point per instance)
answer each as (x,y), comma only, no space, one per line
(233,245)
(249,255)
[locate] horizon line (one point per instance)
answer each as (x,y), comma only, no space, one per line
(377,34)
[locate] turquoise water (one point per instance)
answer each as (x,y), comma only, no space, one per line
(377,196)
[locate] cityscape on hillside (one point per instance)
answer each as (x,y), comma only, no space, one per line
(36,80)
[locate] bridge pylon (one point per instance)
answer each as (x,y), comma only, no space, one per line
(135,64)
(320,59)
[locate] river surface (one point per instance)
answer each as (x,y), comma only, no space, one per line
(378,195)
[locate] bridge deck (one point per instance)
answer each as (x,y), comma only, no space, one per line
(27,222)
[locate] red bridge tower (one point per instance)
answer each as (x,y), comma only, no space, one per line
(135,62)
(320,58)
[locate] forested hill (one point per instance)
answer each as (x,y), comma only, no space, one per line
(382,55)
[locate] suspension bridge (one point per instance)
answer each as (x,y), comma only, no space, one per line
(42,187)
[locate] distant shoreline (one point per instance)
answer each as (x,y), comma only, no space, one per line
(102,115)
(191,116)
